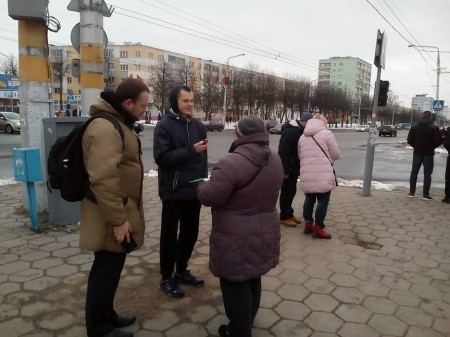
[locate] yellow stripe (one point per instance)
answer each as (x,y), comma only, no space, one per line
(91,80)
(91,54)
(33,68)
(32,34)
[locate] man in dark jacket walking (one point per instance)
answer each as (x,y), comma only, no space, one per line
(446,144)
(287,150)
(179,150)
(424,137)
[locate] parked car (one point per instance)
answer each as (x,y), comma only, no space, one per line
(9,122)
(138,126)
(214,125)
(276,130)
(270,124)
(405,126)
(397,126)
(362,128)
(387,130)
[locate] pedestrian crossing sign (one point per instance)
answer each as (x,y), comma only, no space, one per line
(438,105)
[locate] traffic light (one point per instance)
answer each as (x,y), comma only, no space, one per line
(383,93)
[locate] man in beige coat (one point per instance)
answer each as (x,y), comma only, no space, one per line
(115,212)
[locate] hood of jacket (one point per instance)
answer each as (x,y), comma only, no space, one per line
(314,126)
(173,99)
(107,102)
(289,124)
(425,121)
(256,157)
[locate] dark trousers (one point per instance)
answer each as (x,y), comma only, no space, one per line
(428,165)
(174,247)
(447,178)
(241,301)
(287,194)
(321,210)
(101,290)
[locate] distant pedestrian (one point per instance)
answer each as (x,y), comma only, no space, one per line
(424,137)
(74,113)
(245,236)
(446,144)
(159,117)
(317,151)
(288,151)
(67,112)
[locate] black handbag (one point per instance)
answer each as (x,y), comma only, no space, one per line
(334,172)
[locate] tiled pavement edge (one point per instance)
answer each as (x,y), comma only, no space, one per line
(385,273)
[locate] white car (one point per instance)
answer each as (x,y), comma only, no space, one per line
(362,128)
(9,122)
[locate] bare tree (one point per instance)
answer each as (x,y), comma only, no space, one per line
(60,67)
(10,65)
(237,94)
(110,84)
(210,93)
(266,95)
(161,83)
(186,75)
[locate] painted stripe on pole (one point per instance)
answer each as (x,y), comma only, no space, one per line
(91,80)
(92,54)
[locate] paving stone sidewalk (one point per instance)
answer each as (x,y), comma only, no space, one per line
(385,273)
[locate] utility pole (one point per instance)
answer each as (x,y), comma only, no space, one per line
(34,76)
(380,62)
(91,48)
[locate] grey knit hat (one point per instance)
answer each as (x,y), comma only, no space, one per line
(306,117)
(249,125)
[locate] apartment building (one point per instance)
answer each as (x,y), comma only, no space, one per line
(350,74)
(422,103)
(121,62)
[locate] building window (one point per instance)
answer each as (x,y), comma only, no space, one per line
(111,79)
(110,66)
(137,54)
(56,90)
(124,67)
(57,53)
(150,56)
(69,79)
(123,54)
(161,58)
(109,53)
(68,54)
(137,67)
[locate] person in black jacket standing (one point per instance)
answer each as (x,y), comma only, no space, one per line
(180,151)
(424,137)
(446,144)
(287,150)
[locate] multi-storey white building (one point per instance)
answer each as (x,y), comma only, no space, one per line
(422,103)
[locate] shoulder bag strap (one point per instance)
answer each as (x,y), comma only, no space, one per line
(334,172)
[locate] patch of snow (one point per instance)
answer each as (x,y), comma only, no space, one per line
(358,183)
(151,173)
(4,182)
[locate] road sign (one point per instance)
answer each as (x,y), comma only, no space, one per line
(438,105)
(70,99)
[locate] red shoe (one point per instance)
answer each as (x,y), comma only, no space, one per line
(309,225)
(319,233)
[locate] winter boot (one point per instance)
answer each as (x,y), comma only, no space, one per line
(309,225)
(319,233)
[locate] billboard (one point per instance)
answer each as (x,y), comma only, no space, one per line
(9,86)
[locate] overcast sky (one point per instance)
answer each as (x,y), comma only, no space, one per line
(280,36)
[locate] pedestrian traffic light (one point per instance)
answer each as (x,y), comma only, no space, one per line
(383,93)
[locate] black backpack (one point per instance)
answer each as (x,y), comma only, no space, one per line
(65,164)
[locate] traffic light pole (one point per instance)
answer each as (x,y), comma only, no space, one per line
(371,142)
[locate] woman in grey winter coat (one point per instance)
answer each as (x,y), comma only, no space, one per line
(245,238)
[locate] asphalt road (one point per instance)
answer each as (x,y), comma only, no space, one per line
(392,163)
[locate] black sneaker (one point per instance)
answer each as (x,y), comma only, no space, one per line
(427,197)
(170,288)
(410,195)
(446,200)
(223,330)
(188,278)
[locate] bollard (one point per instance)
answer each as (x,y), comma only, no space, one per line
(27,169)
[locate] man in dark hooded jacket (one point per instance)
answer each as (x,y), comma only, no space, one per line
(424,137)
(180,151)
(287,150)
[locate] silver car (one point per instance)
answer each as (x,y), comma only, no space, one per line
(9,122)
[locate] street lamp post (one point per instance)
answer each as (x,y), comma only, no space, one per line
(226,84)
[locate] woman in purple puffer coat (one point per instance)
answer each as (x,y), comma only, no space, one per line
(245,237)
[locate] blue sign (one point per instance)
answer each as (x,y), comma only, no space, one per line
(70,100)
(7,83)
(438,105)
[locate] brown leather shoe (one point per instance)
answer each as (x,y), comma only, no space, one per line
(296,220)
(288,223)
